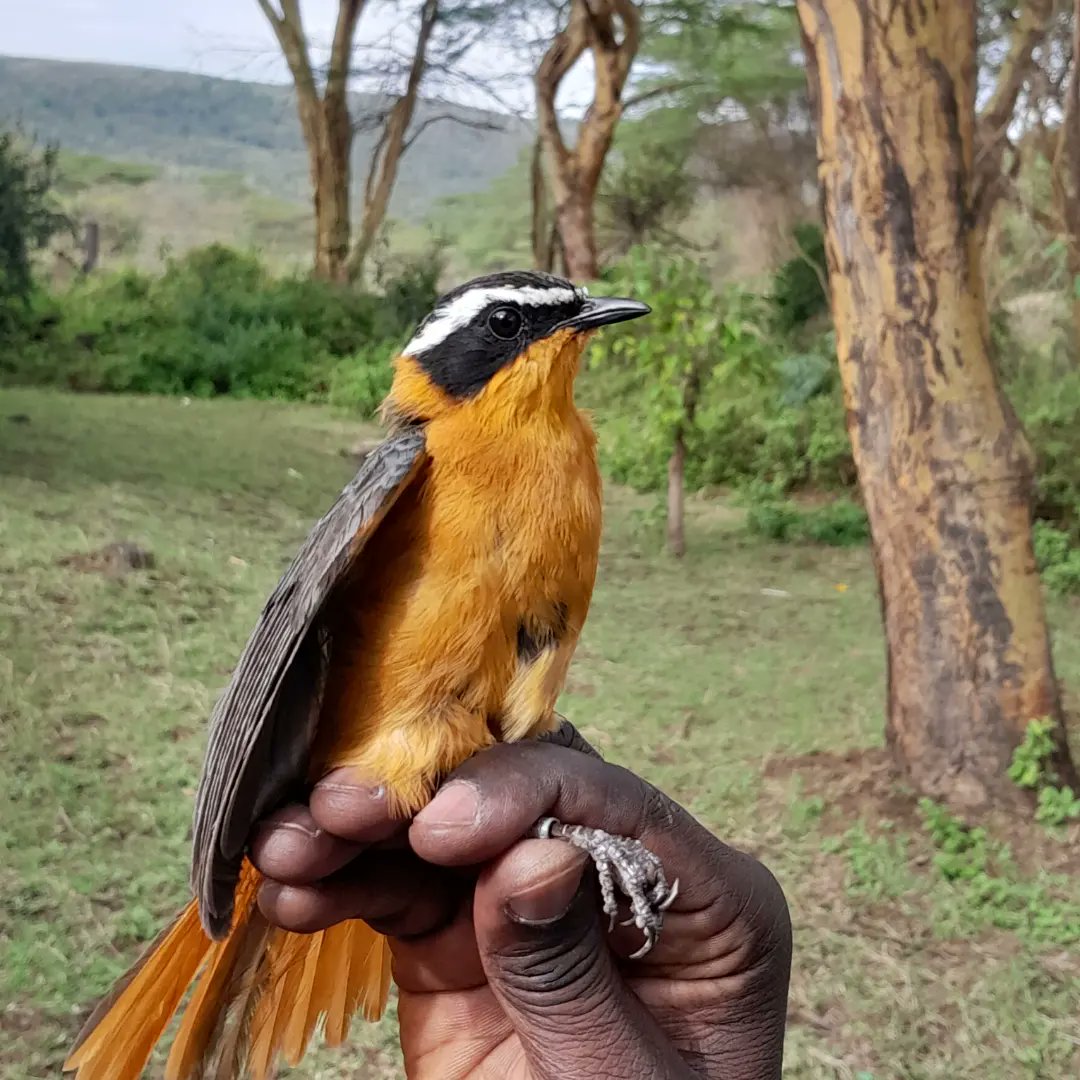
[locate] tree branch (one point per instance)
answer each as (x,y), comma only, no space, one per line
(1026,33)
(565,50)
(479,125)
(337,73)
(661,90)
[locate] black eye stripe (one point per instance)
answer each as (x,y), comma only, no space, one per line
(464,360)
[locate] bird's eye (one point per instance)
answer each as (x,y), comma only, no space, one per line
(505,323)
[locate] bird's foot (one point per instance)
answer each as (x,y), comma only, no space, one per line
(623,864)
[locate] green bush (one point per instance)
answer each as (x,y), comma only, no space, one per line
(768,411)
(798,288)
(841,523)
(1058,558)
(217,322)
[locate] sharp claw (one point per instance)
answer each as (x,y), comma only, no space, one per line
(650,941)
(670,898)
(626,865)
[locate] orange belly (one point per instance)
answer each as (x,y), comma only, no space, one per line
(495,547)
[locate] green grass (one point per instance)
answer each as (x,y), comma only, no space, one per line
(743,681)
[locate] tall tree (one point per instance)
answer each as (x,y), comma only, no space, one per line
(610,31)
(945,469)
(445,31)
(325,123)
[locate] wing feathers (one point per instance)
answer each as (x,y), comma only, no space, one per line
(258,747)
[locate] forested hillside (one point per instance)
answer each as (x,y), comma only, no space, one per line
(191,121)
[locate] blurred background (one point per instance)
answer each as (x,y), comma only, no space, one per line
(219,221)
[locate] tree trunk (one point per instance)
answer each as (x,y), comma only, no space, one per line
(577,230)
(945,469)
(1066,172)
(541,233)
(610,30)
(325,124)
(330,188)
(676,534)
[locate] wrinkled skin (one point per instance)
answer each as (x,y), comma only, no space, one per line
(504,964)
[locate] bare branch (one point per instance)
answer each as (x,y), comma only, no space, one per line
(1026,33)
(661,90)
(478,125)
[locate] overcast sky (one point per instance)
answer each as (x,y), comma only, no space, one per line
(229,38)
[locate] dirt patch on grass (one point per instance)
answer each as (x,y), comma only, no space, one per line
(863,785)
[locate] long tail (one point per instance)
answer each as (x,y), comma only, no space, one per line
(260,992)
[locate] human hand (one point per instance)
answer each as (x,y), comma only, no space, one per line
(502,958)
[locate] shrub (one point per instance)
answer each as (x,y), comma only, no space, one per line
(838,524)
(216,322)
(1058,559)
(798,288)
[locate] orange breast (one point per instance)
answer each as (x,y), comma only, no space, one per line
(501,531)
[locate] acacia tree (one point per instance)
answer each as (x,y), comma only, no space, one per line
(610,31)
(325,123)
(322,101)
(945,469)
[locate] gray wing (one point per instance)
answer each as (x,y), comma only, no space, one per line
(263,724)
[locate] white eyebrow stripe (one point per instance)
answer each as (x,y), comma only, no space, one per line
(464,308)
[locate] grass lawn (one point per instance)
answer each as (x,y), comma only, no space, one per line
(747,681)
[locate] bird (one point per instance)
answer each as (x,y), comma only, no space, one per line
(431,612)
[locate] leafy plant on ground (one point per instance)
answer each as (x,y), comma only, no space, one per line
(1028,769)
(986,888)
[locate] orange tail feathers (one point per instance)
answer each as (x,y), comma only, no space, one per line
(260,992)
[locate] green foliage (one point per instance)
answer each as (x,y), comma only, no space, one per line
(29,216)
(716,51)
(763,413)
(1058,558)
(1047,400)
(647,188)
(1030,769)
(216,322)
(877,864)
(1028,766)
(841,523)
(1057,806)
(78,172)
(988,888)
(799,286)
(962,852)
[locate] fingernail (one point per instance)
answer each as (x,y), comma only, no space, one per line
(341,782)
(269,826)
(455,806)
(549,899)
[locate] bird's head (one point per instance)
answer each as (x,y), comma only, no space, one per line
(511,339)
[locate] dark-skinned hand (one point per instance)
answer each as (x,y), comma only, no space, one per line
(503,961)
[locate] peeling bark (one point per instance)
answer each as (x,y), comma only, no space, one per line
(945,469)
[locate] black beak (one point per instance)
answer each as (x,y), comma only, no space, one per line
(604,310)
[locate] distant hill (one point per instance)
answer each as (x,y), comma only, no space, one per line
(202,124)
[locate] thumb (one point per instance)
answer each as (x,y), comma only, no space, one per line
(543,948)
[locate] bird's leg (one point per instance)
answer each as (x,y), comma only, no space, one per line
(623,864)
